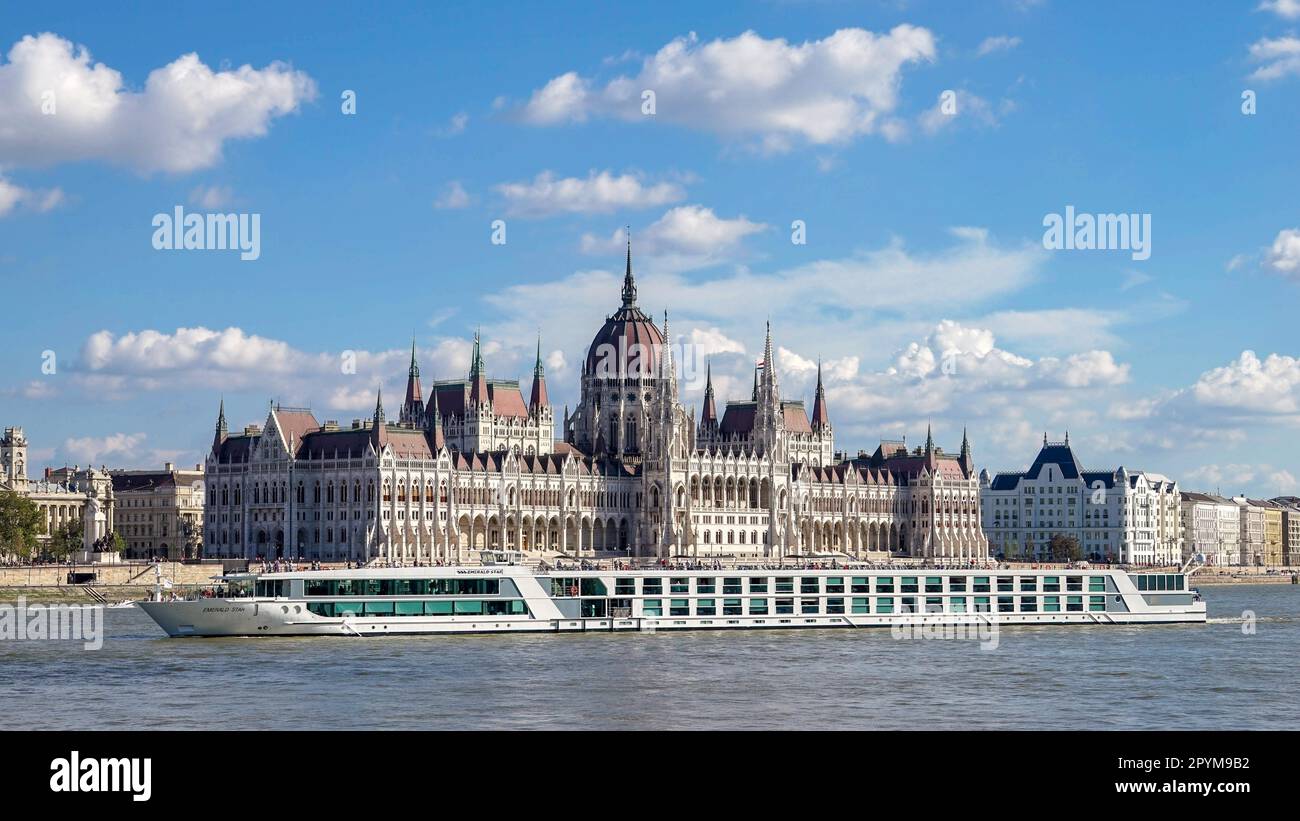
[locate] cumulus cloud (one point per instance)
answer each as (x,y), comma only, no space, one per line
(1288,9)
(819,92)
(453,196)
(1284,256)
(597,193)
(687,231)
(14,196)
(1279,57)
(1001,42)
(1269,386)
(60,106)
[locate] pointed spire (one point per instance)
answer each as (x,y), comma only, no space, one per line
(629,284)
(929,440)
(414,370)
(820,418)
(478,389)
(220,435)
(965,442)
(539,399)
(412,412)
(710,414)
(379,406)
(755,397)
(1044,438)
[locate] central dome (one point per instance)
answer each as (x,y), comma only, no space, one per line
(627,345)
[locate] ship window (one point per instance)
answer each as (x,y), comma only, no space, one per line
(625,587)
(957,584)
(325,608)
(885,605)
(593,587)
(809,606)
(347,608)
(981,584)
(909,584)
(1028,604)
(785,585)
(679,607)
(592,609)
(731,607)
(1074,604)
(409,608)
(468,608)
(784,607)
(835,584)
(438,608)
(981,604)
(379,608)
(731,587)
(835,605)
(652,607)
(1096,584)
(1006,584)
(862,605)
(1051,584)
(809,585)
(907,604)
(957,604)
(1074,583)
(758,607)
(885,584)
(1028,584)
(706,607)
(1096,602)
(933,584)
(707,586)
(758,585)
(933,604)
(861,584)
(679,586)
(1051,604)
(653,587)
(1006,604)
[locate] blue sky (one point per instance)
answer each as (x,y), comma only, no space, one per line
(924,231)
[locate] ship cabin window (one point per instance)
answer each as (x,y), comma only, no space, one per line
(679,607)
(810,585)
(1028,604)
(706,607)
(909,584)
(981,584)
(593,609)
(957,604)
(652,607)
(885,584)
(785,607)
(679,585)
(1096,603)
(1006,604)
(1051,604)
(861,584)
(809,606)
(273,588)
(908,604)
(625,587)
(758,585)
(785,585)
(1028,584)
(1074,604)
(1006,584)
(1051,584)
(1146,582)
(564,587)
(706,585)
(592,587)
(1074,583)
(732,587)
(862,605)
(1097,584)
(982,604)
(731,607)
(835,584)
(758,607)
(957,584)
(933,604)
(653,587)
(835,606)
(933,584)
(885,605)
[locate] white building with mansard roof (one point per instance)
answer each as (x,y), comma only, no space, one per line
(473,465)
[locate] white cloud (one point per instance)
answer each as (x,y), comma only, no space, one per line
(690,232)
(115,449)
(1289,9)
(453,197)
(1249,385)
(999,43)
(964,106)
(1284,256)
(178,122)
(211,196)
(455,126)
(597,193)
(820,91)
(1279,56)
(14,196)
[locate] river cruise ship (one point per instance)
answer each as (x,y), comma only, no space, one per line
(515,598)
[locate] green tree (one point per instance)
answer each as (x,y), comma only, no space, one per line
(20,523)
(65,540)
(1064,548)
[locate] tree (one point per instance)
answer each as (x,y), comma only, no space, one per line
(20,523)
(1064,548)
(192,535)
(65,539)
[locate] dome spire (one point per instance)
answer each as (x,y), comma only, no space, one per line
(629,284)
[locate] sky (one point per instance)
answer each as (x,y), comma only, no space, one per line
(918,149)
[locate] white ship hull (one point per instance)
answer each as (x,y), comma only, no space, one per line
(407,601)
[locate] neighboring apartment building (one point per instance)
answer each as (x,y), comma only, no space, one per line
(1251,542)
(1211,528)
(1116,515)
(1273,532)
(1290,506)
(159,513)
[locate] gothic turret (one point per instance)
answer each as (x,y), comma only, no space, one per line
(709,416)
(478,388)
(220,435)
(413,406)
(538,401)
(820,418)
(965,459)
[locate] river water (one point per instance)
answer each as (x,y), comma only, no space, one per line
(1213,676)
